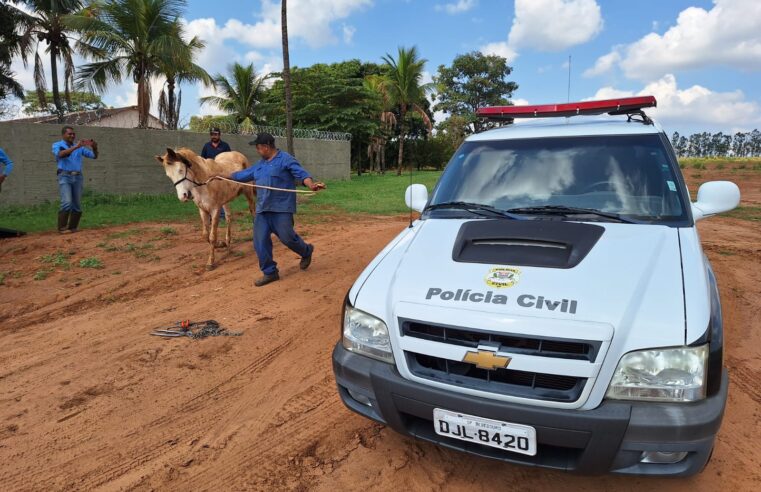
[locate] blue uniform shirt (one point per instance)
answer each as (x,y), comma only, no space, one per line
(74,160)
(6,162)
(280,172)
(210,152)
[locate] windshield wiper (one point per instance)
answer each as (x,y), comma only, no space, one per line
(566,211)
(474,208)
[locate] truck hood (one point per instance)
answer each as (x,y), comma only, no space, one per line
(630,280)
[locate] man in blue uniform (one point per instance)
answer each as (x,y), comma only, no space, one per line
(275,209)
(6,165)
(69,157)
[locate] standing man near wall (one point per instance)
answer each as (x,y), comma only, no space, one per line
(212,149)
(70,181)
(275,209)
(7,165)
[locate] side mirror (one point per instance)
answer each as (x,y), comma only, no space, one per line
(714,198)
(416,197)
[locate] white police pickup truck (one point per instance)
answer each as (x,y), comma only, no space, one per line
(552,306)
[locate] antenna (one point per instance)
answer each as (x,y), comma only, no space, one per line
(410,185)
(569,79)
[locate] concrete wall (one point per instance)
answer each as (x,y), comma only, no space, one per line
(126,163)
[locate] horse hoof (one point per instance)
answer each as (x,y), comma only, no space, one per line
(209,268)
(220,244)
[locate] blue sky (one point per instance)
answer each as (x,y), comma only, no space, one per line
(701,59)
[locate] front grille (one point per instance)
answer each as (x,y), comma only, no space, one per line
(537,386)
(516,344)
(510,382)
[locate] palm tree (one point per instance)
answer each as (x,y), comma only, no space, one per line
(178,70)
(376,86)
(240,95)
(130,37)
(287,79)
(46,24)
(405,90)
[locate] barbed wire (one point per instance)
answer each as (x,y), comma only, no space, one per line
(233,128)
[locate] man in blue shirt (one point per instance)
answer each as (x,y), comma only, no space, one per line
(275,209)
(7,165)
(69,157)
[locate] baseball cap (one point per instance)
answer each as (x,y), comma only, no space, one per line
(263,139)
(215,130)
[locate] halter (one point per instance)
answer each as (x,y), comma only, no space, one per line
(185,178)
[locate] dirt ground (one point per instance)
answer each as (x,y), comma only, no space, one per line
(89,400)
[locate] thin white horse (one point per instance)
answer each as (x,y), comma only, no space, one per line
(190,172)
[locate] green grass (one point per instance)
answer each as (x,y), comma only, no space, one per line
(91,262)
(57,259)
(367,194)
(41,274)
(745,213)
(2,278)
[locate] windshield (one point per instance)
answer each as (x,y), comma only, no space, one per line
(624,175)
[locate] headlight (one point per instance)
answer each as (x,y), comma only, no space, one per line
(367,335)
(673,374)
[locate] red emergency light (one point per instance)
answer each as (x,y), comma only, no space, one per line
(624,105)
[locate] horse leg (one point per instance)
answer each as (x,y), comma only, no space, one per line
(204,224)
(250,194)
(228,232)
(212,237)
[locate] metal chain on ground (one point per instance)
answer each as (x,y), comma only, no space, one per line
(203,329)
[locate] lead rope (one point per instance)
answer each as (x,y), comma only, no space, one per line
(306,192)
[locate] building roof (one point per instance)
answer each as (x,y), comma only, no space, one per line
(83,117)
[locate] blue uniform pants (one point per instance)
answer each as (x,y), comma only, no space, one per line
(71,192)
(280,224)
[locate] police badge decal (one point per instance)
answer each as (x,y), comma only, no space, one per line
(499,277)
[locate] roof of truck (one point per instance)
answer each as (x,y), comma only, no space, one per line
(576,126)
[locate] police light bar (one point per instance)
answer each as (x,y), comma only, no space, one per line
(624,105)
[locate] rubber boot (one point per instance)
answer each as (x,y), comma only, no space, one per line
(63,221)
(74,221)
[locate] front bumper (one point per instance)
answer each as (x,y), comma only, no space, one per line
(608,439)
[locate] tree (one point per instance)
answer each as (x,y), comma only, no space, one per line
(472,82)
(241,94)
(180,69)
(47,23)
(376,150)
(404,87)
(10,45)
(78,101)
(287,79)
(130,37)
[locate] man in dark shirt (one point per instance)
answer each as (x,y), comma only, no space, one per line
(212,149)
(215,146)
(275,209)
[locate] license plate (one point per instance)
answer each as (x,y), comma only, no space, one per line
(515,438)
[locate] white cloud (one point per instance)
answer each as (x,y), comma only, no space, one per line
(554,25)
(456,8)
(517,101)
(693,105)
(500,49)
(348,33)
(549,25)
(603,64)
(728,34)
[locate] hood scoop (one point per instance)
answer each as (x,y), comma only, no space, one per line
(548,244)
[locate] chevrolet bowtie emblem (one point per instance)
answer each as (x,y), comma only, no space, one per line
(487,359)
